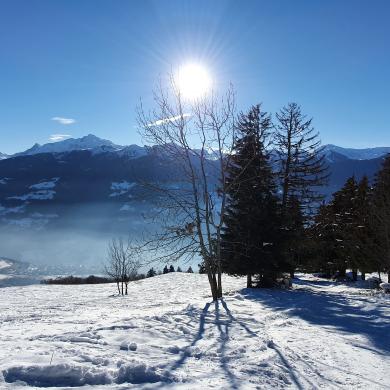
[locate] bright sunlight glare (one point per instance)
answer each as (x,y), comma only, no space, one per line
(193,81)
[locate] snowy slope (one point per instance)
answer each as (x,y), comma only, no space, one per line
(358,154)
(167,334)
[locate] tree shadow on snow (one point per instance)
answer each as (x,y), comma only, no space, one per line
(322,282)
(223,321)
(331,310)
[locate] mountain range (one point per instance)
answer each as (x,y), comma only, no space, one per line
(99,145)
(91,169)
(67,197)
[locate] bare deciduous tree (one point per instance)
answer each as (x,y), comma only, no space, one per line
(122,264)
(197,136)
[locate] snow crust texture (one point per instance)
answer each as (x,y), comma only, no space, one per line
(168,334)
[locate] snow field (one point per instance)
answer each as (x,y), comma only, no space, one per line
(168,334)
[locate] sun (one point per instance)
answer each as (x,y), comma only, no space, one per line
(193,81)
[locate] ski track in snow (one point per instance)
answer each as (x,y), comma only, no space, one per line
(168,334)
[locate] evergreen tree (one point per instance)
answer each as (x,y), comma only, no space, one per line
(343,230)
(344,207)
(302,169)
(331,230)
(151,273)
(202,268)
(322,238)
(165,270)
(251,220)
(179,269)
(171,268)
(381,216)
(292,238)
(190,271)
(365,252)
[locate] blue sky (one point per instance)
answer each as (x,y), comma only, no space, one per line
(93,60)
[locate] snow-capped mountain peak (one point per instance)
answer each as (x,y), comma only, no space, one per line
(88,142)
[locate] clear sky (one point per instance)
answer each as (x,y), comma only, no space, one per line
(92,60)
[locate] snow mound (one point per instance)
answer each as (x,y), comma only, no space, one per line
(65,375)
(56,376)
(137,372)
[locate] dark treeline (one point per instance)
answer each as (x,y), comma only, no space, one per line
(276,220)
(166,270)
(352,231)
(92,279)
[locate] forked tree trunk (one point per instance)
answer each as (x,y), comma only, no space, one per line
(213,285)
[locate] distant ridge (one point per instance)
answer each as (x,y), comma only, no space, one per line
(100,145)
(358,154)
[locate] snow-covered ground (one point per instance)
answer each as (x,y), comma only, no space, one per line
(167,334)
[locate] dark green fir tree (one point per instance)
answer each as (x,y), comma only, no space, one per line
(251,221)
(381,216)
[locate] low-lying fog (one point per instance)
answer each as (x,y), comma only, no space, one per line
(77,235)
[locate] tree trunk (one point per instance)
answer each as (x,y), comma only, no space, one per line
(354,274)
(388,276)
(363,276)
(342,272)
(213,285)
(122,288)
(119,290)
(292,274)
(249,281)
(219,284)
(126,289)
